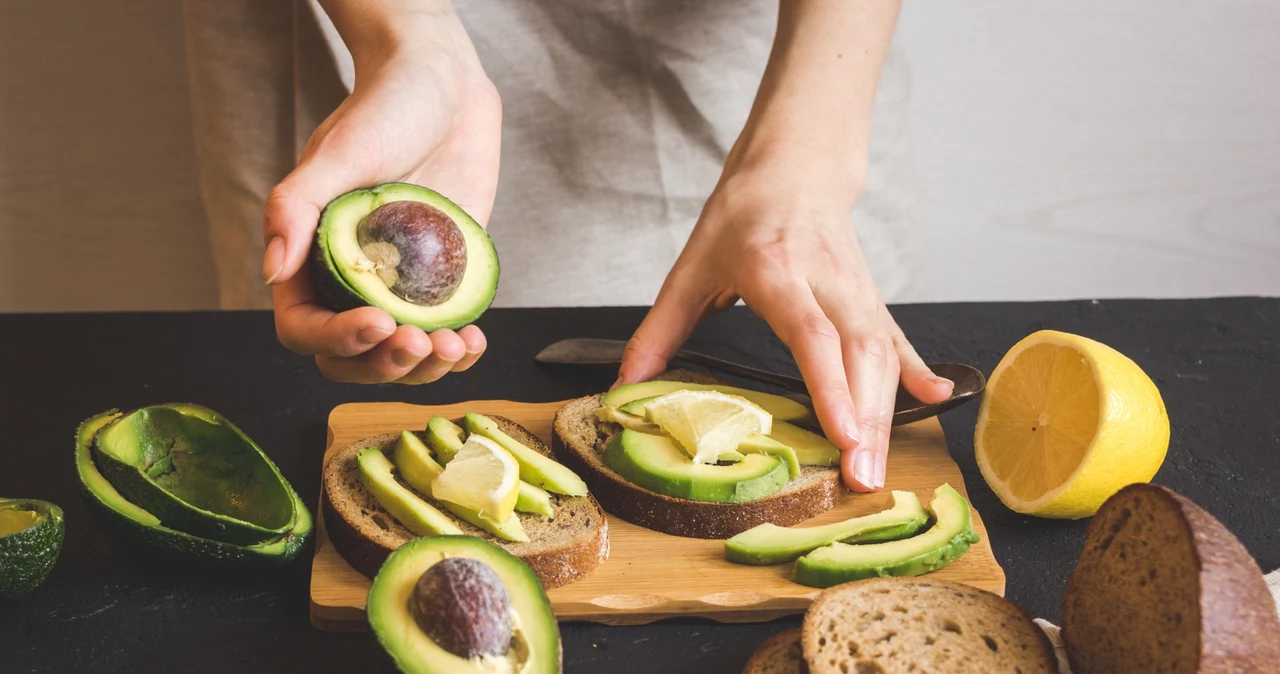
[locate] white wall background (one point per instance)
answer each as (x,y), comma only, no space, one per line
(1099,148)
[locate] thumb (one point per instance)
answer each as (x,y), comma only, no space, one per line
(663,331)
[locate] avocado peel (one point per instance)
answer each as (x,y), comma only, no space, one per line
(31,535)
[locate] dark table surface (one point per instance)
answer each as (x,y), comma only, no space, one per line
(1217,363)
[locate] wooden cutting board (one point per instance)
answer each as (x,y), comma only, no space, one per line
(650,576)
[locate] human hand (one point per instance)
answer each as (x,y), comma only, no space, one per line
(776,233)
(422,111)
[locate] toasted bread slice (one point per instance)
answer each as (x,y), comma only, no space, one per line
(562,548)
(779,654)
(894,625)
(1162,586)
(579,441)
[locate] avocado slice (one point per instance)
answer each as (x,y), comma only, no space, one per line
(535,646)
(197,472)
(408,251)
(811,449)
(145,529)
(536,469)
(769,543)
(948,539)
(781,408)
(763,444)
(633,422)
(415,514)
(416,467)
(31,533)
(657,464)
(445,438)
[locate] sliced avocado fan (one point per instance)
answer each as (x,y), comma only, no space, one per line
(145,528)
(31,535)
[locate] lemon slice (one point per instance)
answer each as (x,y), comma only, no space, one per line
(1065,422)
(483,477)
(707,424)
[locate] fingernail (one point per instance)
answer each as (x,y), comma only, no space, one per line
(944,380)
(849,426)
(373,334)
(864,467)
(273,260)
(882,462)
(405,358)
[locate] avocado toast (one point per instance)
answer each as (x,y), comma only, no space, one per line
(561,548)
(582,438)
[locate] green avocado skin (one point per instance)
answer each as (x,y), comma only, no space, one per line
(27,557)
(821,575)
(144,529)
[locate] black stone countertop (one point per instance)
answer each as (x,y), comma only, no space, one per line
(1216,362)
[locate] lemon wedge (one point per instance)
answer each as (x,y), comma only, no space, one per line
(1066,422)
(707,424)
(483,477)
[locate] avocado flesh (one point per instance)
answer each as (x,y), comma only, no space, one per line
(445,438)
(811,449)
(414,513)
(416,467)
(948,539)
(763,444)
(536,469)
(782,408)
(657,464)
(197,472)
(396,629)
(344,277)
(145,529)
(31,534)
(639,424)
(769,543)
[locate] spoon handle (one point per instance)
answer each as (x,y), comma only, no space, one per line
(790,383)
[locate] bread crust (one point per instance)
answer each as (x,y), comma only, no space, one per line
(365,534)
(678,516)
(1239,630)
(779,654)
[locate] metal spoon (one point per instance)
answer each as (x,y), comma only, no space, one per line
(969,381)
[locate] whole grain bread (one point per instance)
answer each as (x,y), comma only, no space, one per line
(562,548)
(779,654)
(893,625)
(579,442)
(1162,586)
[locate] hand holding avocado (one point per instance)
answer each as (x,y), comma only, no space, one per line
(418,114)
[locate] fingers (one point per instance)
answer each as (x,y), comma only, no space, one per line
(304,326)
(392,360)
(447,348)
(888,395)
(474,341)
(917,378)
(663,331)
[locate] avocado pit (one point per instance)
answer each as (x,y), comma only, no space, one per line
(463,606)
(414,248)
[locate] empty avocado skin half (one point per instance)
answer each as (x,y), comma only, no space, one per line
(143,528)
(31,534)
(345,277)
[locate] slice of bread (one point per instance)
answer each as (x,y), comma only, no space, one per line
(892,625)
(579,442)
(562,548)
(779,654)
(1162,586)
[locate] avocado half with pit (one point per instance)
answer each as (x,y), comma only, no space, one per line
(145,528)
(31,534)
(408,251)
(462,605)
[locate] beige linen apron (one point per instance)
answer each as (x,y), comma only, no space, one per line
(617,117)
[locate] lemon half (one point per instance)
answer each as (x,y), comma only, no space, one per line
(1066,422)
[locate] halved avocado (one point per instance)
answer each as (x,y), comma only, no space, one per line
(197,472)
(416,467)
(948,539)
(657,464)
(408,251)
(31,534)
(535,644)
(769,543)
(145,528)
(782,408)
